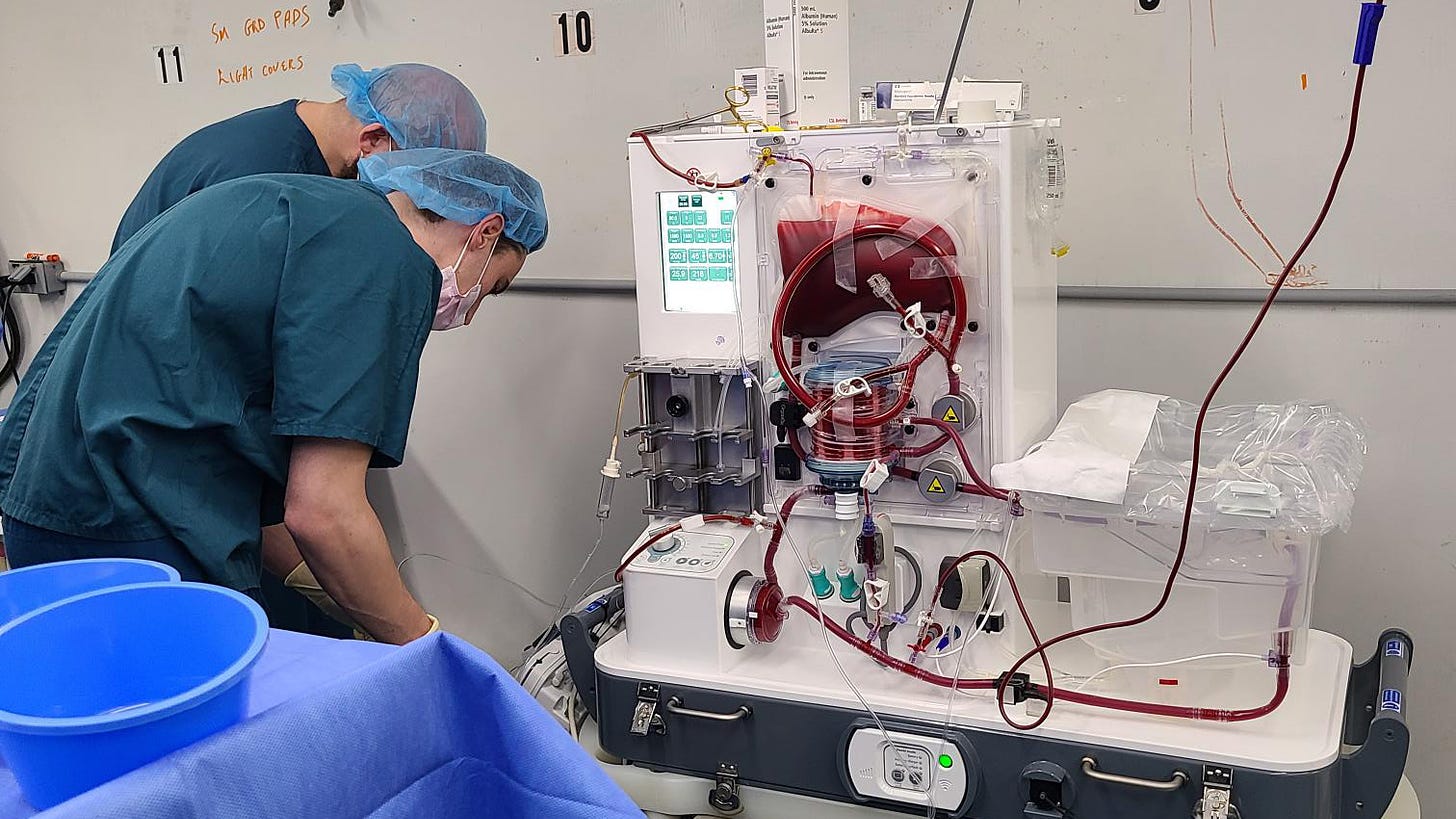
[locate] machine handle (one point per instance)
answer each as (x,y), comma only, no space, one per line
(1376,711)
(1089,767)
(675,706)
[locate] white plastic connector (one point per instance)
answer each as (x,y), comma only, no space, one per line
(877,594)
(956,368)
(811,418)
(846,506)
(914,321)
(874,477)
(612,468)
(850,387)
(694,522)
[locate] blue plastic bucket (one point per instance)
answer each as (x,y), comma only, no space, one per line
(103,683)
(25,590)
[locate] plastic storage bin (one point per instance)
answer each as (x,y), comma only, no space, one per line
(25,590)
(1274,479)
(100,684)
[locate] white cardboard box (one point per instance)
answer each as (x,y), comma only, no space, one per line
(809,40)
(1009,97)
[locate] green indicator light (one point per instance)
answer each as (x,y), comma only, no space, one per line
(946,761)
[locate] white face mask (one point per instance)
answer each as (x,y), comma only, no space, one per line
(454,306)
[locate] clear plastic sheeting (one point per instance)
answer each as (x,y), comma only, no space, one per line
(1291,467)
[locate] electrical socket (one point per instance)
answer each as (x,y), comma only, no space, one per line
(36,276)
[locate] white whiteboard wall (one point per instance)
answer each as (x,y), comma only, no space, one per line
(83,117)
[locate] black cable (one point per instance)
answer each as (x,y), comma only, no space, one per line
(13,340)
(955,57)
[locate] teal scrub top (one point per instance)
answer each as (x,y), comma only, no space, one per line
(165,402)
(264,140)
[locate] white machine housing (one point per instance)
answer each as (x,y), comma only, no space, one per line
(675,616)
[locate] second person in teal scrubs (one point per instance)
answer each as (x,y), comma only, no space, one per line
(260,342)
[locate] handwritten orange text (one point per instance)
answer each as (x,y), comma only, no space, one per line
(234,76)
(246,73)
(292,17)
(290,64)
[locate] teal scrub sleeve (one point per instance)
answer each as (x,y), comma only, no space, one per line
(352,317)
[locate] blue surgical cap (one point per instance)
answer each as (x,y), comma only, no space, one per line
(419,105)
(464,187)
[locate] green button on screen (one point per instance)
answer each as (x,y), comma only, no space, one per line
(946,761)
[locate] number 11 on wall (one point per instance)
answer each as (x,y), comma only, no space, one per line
(167,61)
(575,34)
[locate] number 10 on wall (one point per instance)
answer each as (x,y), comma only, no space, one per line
(575,33)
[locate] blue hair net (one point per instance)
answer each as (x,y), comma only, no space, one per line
(464,187)
(419,105)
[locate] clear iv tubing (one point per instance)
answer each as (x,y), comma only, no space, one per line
(811,260)
(722,405)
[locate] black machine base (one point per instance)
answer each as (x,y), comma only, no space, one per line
(799,747)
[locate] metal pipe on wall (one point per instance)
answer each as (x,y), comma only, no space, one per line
(1412,297)
(1074,292)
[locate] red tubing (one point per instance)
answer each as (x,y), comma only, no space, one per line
(1281,690)
(801,271)
(692,175)
(968,488)
(769,572)
(952,433)
(1213,392)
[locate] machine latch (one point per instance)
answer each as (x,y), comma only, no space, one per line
(724,795)
(645,719)
(1217,801)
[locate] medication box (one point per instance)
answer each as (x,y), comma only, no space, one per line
(809,41)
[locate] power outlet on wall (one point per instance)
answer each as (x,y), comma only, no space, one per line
(40,277)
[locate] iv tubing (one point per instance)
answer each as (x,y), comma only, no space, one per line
(771,552)
(1223,375)
(950,432)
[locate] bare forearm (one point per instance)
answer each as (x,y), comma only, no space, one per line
(350,556)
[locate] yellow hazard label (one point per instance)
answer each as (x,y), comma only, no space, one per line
(935,488)
(950,416)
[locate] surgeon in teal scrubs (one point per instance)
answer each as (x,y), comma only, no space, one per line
(399,106)
(260,342)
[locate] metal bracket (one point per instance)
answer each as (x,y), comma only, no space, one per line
(1218,789)
(645,719)
(960,132)
(724,796)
